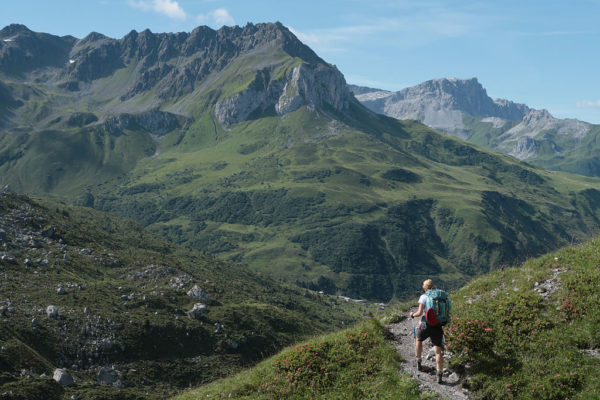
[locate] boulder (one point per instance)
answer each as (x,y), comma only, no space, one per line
(52,311)
(109,376)
(197,311)
(197,293)
(63,377)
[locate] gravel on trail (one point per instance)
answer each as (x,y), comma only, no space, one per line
(404,342)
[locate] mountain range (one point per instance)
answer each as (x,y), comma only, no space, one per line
(239,143)
(462,108)
(243,142)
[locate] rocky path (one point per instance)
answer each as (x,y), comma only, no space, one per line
(405,346)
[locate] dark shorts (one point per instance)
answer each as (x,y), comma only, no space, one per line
(436,333)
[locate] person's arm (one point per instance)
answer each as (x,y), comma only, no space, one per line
(418,313)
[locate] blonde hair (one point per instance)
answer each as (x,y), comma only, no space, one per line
(428,284)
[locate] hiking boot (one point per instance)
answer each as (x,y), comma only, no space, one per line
(439,376)
(419,366)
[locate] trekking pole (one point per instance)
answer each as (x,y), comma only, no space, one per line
(412,320)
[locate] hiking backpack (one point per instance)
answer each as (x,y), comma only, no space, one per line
(437,308)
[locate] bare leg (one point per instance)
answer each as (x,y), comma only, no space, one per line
(419,346)
(439,358)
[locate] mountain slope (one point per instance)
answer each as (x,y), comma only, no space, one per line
(462,108)
(110,100)
(317,201)
(126,299)
(243,142)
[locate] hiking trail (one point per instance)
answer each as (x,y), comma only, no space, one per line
(405,346)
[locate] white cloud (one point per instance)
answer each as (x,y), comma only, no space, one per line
(170,8)
(218,17)
(404,32)
(588,104)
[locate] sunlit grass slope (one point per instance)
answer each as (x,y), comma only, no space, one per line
(356,363)
(532,332)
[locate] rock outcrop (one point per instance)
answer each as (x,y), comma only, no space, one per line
(155,122)
(305,85)
(197,293)
(198,311)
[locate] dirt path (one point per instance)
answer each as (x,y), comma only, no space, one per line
(405,346)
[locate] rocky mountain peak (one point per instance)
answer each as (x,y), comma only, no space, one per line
(22,50)
(243,70)
(441,104)
(12,30)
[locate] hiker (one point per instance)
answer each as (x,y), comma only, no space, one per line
(436,332)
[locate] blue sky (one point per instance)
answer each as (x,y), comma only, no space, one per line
(545,54)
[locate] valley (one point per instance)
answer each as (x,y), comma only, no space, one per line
(242,142)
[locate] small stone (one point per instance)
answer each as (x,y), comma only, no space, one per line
(218,327)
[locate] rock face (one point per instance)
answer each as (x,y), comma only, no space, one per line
(63,377)
(154,121)
(441,104)
(315,86)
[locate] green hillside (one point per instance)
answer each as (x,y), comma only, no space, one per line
(333,206)
(122,299)
(525,332)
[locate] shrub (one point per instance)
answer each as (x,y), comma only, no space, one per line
(469,339)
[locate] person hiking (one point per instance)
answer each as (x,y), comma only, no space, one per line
(436,332)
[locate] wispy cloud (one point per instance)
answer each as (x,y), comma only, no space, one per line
(170,8)
(588,104)
(414,29)
(553,33)
(218,17)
